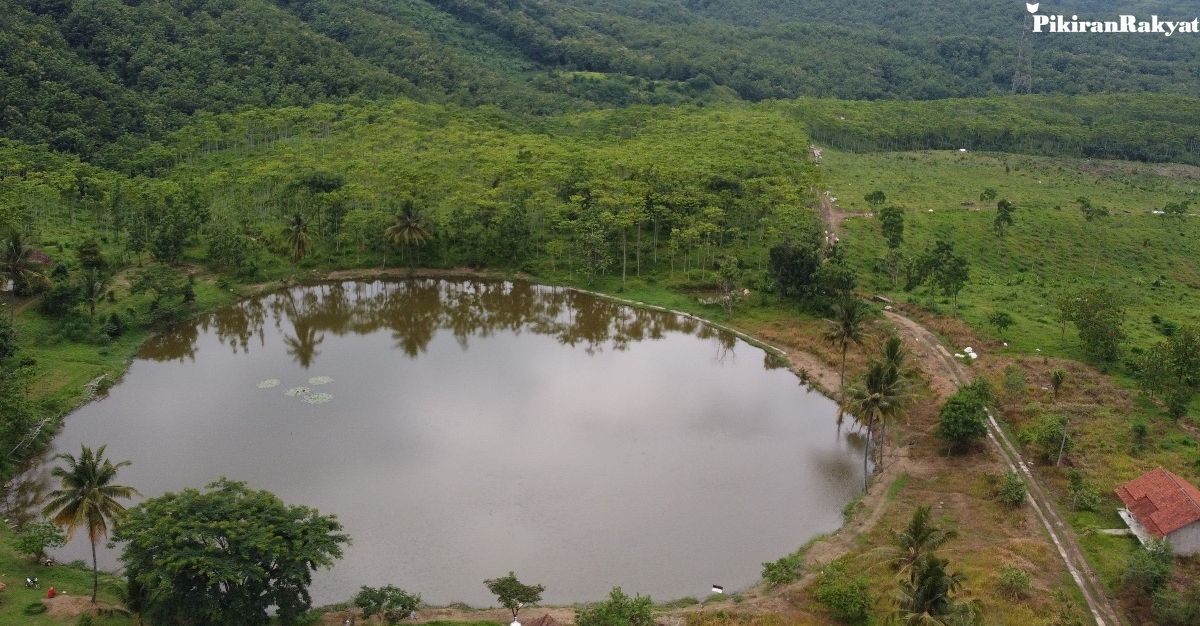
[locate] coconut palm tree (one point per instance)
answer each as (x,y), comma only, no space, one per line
(92,288)
(928,597)
(919,538)
(845,327)
(409,229)
(20,267)
(297,237)
(895,387)
(87,498)
(867,401)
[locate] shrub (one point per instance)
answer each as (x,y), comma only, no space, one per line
(1047,437)
(1014,582)
(618,610)
(35,608)
(1177,609)
(847,597)
(86,620)
(1140,432)
(60,299)
(784,570)
(963,419)
(8,339)
(1014,383)
(390,603)
(1080,495)
(1010,489)
(1149,567)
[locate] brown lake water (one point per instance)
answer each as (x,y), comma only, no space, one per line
(462,429)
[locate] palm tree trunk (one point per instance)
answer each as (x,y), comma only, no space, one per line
(95,573)
(842,374)
(866,455)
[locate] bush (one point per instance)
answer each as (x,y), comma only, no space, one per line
(34,538)
(60,299)
(1014,582)
(35,608)
(1149,567)
(847,597)
(1010,489)
(963,419)
(86,620)
(784,570)
(1080,495)
(1177,609)
(1046,437)
(8,338)
(619,610)
(390,603)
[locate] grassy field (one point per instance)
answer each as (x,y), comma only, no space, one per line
(69,579)
(1151,260)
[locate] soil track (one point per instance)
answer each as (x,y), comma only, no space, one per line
(946,373)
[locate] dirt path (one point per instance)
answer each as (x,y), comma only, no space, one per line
(946,373)
(1094,592)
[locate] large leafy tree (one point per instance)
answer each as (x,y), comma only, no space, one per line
(514,594)
(87,497)
(227,554)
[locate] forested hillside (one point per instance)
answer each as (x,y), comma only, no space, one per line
(98,78)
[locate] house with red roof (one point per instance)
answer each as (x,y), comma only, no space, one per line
(1161,505)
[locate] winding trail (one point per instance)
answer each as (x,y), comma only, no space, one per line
(944,368)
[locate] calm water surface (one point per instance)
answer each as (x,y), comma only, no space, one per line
(472,428)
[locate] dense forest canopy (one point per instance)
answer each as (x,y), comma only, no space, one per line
(99,77)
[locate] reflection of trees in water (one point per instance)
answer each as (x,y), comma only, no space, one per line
(414,311)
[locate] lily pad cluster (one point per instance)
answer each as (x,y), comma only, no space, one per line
(303,392)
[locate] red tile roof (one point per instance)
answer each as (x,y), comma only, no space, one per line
(1161,501)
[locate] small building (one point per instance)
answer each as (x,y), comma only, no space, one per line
(1161,505)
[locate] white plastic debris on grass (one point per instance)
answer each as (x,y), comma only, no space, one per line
(269,383)
(320,380)
(298,391)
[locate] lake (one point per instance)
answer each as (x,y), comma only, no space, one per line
(462,429)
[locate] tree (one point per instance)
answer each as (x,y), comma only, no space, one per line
(1099,315)
(1004,216)
(1170,371)
(390,603)
(513,594)
(618,610)
(793,266)
(34,538)
(297,238)
(919,538)
(729,279)
(1057,378)
(1001,320)
(929,596)
(876,399)
(8,339)
(1092,214)
(989,194)
(225,555)
(891,224)
(21,268)
(875,198)
(962,420)
(409,229)
(90,255)
(92,287)
(846,326)
(87,498)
